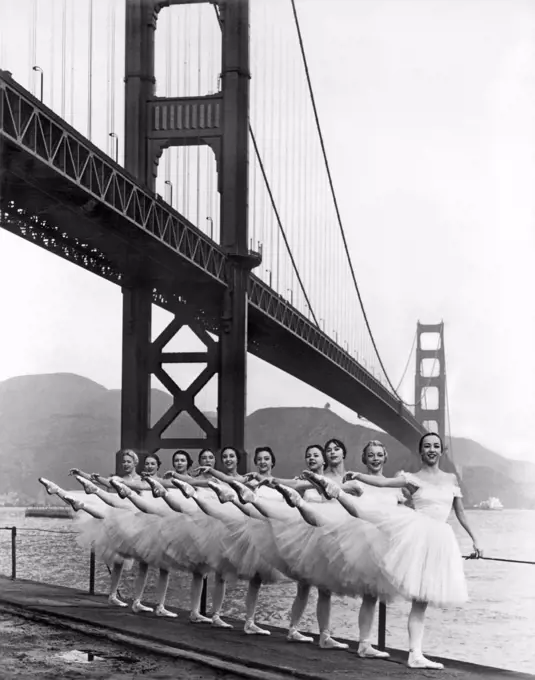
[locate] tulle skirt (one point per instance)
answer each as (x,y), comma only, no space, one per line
(422,559)
(336,556)
(92,535)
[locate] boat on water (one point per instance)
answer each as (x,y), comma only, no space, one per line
(54,512)
(492,503)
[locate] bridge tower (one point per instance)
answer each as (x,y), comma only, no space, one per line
(147,133)
(430,379)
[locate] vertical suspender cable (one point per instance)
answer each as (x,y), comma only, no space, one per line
(90,76)
(199,63)
(63,56)
(33,39)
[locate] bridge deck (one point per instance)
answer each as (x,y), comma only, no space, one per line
(267,657)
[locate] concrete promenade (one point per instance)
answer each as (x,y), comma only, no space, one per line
(260,657)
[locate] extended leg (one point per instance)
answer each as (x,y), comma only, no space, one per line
(139,588)
(116,573)
(161,592)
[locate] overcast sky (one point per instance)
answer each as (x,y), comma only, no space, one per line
(428,109)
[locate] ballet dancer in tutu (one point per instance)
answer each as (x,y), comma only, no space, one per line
(422,559)
(240,550)
(92,532)
(311,549)
(316,461)
(129,464)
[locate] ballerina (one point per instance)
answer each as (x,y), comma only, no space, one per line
(249,565)
(423,560)
(92,534)
(129,464)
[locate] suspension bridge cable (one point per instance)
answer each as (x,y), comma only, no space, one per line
(335,201)
(408,361)
(450,446)
(274,206)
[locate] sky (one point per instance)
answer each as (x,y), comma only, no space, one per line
(428,112)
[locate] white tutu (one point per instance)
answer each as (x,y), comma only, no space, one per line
(422,559)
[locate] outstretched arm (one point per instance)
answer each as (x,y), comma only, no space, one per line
(458,508)
(382,482)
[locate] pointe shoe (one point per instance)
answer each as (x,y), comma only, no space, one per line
(162,611)
(291,496)
(217,622)
(158,490)
(114,601)
(251,628)
(187,489)
(245,494)
(75,504)
(295,636)
(224,493)
(327,642)
(137,607)
(418,660)
(366,651)
(89,487)
(50,487)
(197,617)
(327,487)
(122,490)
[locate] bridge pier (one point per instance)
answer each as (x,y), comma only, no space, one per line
(145,138)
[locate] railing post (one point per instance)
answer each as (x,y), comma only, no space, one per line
(204,596)
(381,643)
(13,552)
(92,573)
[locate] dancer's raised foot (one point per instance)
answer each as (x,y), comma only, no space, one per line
(187,489)
(114,601)
(158,490)
(245,494)
(418,660)
(366,651)
(291,496)
(224,493)
(328,642)
(122,490)
(295,636)
(197,617)
(162,611)
(70,500)
(217,622)
(50,487)
(137,607)
(89,487)
(251,628)
(327,487)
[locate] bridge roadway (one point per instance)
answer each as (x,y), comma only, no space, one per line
(231,651)
(62,193)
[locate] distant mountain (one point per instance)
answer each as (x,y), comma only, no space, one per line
(50,423)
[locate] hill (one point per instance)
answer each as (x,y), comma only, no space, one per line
(50,423)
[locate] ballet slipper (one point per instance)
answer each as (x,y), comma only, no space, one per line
(158,490)
(114,601)
(51,488)
(162,611)
(244,494)
(250,628)
(327,642)
(224,493)
(89,487)
(217,622)
(418,660)
(295,636)
(187,489)
(291,496)
(122,490)
(137,607)
(75,504)
(366,651)
(197,617)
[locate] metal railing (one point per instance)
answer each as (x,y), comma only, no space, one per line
(381,638)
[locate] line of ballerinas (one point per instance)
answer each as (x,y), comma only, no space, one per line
(341,533)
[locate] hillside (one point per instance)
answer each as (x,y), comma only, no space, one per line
(50,423)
